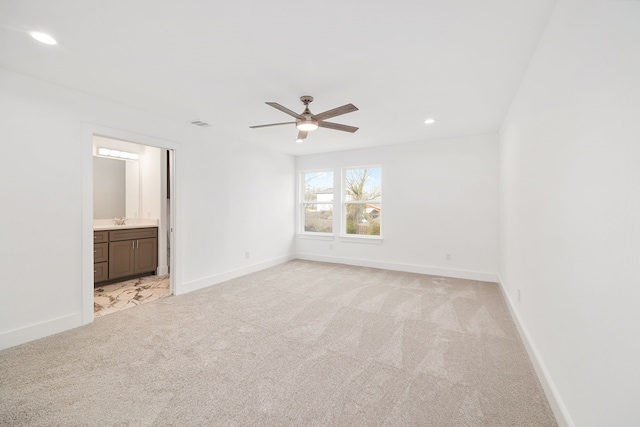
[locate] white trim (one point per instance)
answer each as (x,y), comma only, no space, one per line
(409,268)
(232,274)
(315,236)
(553,396)
(40,330)
(361,238)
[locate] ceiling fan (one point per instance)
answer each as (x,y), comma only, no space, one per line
(306,121)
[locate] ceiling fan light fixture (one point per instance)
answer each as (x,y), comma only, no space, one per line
(299,141)
(307,125)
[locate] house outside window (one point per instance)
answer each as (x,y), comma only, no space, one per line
(317,202)
(362,201)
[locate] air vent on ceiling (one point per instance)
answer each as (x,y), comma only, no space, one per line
(200,123)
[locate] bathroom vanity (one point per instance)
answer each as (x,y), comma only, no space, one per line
(123,252)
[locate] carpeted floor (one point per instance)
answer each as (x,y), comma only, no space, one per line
(300,344)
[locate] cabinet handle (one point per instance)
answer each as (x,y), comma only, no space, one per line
(95,252)
(137,244)
(132,245)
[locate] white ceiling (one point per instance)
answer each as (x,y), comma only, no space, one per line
(399,62)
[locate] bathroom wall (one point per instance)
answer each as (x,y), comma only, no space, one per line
(143,191)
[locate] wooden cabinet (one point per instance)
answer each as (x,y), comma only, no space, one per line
(122,259)
(100,272)
(100,252)
(100,236)
(100,256)
(125,253)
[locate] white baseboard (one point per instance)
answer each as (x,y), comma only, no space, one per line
(557,406)
(40,330)
(228,275)
(409,268)
(162,270)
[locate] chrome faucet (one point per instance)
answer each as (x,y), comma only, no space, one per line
(120,221)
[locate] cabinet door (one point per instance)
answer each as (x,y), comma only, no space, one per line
(122,259)
(146,255)
(101,252)
(100,236)
(100,272)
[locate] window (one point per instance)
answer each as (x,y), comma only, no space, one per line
(317,201)
(362,201)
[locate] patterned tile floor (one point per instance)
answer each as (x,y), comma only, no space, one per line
(118,296)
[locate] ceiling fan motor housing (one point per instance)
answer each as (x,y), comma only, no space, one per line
(308,123)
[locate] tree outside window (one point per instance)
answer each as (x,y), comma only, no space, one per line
(363,201)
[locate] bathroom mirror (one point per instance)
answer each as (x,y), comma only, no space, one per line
(116,190)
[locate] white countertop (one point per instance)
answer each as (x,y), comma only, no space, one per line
(120,227)
(108,224)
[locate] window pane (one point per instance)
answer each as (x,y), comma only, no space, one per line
(318,217)
(363,184)
(318,186)
(363,218)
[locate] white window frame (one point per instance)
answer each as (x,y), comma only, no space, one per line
(344,202)
(303,202)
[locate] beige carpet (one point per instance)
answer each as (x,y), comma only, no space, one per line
(300,344)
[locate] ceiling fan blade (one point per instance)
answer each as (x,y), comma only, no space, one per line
(302,134)
(271,124)
(284,110)
(336,112)
(337,126)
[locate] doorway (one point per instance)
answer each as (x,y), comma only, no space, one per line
(131,211)
(149,207)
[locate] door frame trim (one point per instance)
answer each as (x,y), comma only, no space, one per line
(89,130)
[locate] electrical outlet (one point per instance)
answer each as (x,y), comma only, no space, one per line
(246,255)
(448,257)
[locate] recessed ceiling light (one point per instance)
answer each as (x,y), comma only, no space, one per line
(43,38)
(299,141)
(429,121)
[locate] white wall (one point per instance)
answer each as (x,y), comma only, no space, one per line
(45,158)
(151,162)
(570,210)
(438,197)
(242,200)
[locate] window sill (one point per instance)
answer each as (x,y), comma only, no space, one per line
(316,236)
(371,240)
